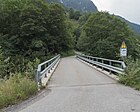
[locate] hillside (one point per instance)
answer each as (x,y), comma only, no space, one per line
(56,1)
(133,26)
(81,5)
(89,6)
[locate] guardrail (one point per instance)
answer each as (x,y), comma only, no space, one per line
(111,65)
(45,68)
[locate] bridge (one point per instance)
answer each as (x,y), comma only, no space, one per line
(77,87)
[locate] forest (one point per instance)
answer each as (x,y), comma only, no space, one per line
(32,31)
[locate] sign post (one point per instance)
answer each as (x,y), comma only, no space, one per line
(123,50)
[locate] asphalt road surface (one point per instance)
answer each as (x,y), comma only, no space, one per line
(76,87)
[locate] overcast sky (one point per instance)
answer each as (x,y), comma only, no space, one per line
(129,9)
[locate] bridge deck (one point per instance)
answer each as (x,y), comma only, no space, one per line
(76,87)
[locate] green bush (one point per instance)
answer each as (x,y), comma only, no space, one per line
(15,89)
(132,74)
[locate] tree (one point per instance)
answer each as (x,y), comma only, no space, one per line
(82,20)
(74,14)
(33,29)
(104,34)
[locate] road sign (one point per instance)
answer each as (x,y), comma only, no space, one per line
(123,46)
(123,50)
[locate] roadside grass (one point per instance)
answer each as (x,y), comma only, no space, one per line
(15,89)
(132,75)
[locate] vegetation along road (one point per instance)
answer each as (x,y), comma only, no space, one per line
(33,31)
(76,87)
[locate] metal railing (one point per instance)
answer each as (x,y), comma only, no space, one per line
(45,68)
(111,65)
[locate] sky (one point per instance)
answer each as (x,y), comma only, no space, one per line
(129,9)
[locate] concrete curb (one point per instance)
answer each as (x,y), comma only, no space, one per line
(112,76)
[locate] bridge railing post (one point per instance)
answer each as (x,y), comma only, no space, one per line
(110,63)
(37,77)
(102,62)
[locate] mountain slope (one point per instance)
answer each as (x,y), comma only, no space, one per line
(56,1)
(89,6)
(81,5)
(133,26)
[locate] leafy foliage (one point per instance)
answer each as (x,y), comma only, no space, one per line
(32,29)
(1,63)
(132,76)
(103,34)
(84,18)
(133,26)
(74,14)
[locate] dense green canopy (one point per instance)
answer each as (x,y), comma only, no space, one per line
(103,34)
(32,29)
